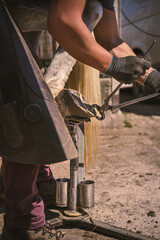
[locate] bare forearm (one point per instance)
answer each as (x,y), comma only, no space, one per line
(72,34)
(122,50)
(83,47)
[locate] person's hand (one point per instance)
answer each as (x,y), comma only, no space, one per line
(152,81)
(127,69)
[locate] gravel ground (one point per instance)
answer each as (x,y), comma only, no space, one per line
(126,175)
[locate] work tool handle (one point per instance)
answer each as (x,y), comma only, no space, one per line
(137,100)
(101,109)
(105,106)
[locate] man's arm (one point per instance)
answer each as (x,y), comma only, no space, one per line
(65,24)
(107,35)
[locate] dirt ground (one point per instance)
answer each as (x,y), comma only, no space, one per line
(127,173)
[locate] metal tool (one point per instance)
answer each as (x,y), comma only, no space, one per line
(101,115)
(96,108)
(105,106)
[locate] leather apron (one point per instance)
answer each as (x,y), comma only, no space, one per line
(32,129)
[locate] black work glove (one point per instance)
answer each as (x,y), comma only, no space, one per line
(152,81)
(127,69)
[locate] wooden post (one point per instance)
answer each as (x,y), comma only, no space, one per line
(86,80)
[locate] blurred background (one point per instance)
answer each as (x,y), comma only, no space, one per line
(139,28)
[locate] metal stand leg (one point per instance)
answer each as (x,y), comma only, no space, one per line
(81,152)
(72,211)
(73,185)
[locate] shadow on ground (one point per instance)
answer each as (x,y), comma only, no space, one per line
(146,108)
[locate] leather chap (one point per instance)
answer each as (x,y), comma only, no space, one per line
(32,130)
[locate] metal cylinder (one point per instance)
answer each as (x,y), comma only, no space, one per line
(62,189)
(73,185)
(86,194)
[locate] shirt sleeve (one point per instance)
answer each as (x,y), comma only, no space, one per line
(108,4)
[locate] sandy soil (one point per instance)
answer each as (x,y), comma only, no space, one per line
(127,173)
(128,177)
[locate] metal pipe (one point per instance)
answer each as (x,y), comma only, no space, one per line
(72,203)
(137,100)
(73,185)
(81,152)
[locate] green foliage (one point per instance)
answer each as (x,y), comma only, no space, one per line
(127,123)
